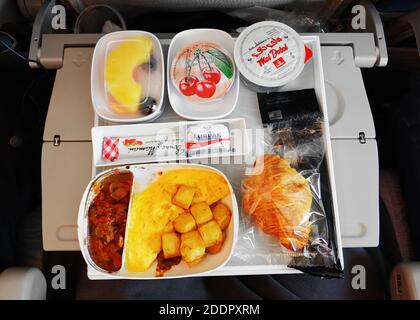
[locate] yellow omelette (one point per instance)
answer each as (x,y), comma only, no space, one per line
(152,209)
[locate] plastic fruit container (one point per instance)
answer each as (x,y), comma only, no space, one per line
(127,78)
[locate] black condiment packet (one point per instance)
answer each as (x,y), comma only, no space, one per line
(278,106)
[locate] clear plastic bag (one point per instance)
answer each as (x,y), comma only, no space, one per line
(287,212)
(301,22)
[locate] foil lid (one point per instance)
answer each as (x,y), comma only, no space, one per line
(269,54)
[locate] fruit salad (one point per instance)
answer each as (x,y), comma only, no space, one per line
(130,70)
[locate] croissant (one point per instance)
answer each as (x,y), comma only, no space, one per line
(279,199)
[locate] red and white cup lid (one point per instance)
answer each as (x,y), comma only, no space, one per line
(270,54)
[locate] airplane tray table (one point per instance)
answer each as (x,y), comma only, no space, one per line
(246,108)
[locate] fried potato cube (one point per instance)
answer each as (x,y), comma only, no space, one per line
(201,212)
(196,261)
(169,227)
(171,188)
(217,247)
(171,243)
(184,196)
(192,247)
(222,215)
(211,233)
(184,223)
(154,242)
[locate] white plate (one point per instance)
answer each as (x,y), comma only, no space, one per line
(201,111)
(147,173)
(98,91)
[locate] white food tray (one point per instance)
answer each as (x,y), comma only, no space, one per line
(312,76)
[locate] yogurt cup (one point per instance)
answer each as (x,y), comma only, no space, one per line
(217,106)
(269,55)
(203,61)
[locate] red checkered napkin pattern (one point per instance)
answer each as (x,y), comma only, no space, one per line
(110,149)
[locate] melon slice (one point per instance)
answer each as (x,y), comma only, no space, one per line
(120,65)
